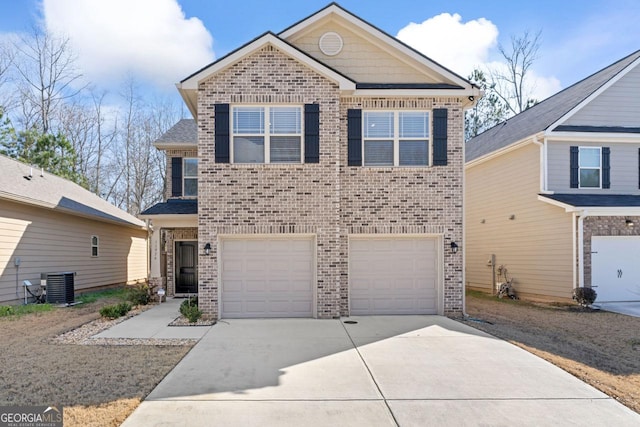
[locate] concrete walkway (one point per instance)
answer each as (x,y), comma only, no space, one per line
(628,308)
(382,371)
(154,323)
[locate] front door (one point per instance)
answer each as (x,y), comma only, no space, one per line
(186,267)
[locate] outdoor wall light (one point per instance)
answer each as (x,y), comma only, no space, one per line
(207,248)
(629,222)
(454,247)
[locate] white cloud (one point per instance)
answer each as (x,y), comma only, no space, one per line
(459,46)
(149,39)
(463,46)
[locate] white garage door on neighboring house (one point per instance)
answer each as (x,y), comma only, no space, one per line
(267,277)
(615,268)
(393,275)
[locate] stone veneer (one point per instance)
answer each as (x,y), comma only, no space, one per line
(329,199)
(604,226)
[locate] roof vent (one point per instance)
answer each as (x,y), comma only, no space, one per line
(330,43)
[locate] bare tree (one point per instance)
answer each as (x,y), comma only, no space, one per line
(511,82)
(6,61)
(48,76)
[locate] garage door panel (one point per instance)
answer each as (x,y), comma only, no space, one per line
(393,275)
(269,277)
(615,262)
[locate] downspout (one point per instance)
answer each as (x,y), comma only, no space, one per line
(542,168)
(574,243)
(580,247)
(149,233)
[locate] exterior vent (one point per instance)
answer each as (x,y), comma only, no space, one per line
(330,43)
(60,287)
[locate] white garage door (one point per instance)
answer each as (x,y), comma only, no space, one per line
(269,277)
(393,275)
(615,268)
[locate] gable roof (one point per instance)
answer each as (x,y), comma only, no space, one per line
(49,191)
(545,114)
(183,134)
(451,81)
(337,10)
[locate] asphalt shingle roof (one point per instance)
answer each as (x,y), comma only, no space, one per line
(174,207)
(49,191)
(596,200)
(542,115)
(184,132)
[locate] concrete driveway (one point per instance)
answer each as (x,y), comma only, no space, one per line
(628,308)
(382,371)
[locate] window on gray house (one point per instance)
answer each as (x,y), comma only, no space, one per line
(589,162)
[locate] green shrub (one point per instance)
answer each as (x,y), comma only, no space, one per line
(189,309)
(584,296)
(193,313)
(139,294)
(6,310)
(115,311)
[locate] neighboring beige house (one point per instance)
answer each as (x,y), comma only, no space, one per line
(554,192)
(322,177)
(49,224)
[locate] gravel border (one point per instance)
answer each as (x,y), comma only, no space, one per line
(83,335)
(183,321)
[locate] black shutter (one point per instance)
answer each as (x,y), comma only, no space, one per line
(222,133)
(440,137)
(176,176)
(606,167)
(638,167)
(312,133)
(573,166)
(354,137)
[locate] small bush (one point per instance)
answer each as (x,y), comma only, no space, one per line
(187,304)
(189,309)
(115,311)
(584,296)
(139,294)
(193,313)
(6,310)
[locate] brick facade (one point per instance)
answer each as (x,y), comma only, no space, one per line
(328,199)
(170,155)
(604,226)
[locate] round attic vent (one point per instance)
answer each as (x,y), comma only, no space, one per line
(331,43)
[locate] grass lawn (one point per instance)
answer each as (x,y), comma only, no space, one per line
(96,385)
(600,348)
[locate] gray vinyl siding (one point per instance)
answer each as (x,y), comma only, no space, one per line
(536,246)
(48,241)
(624,167)
(619,105)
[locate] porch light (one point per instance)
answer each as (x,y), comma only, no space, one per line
(454,247)
(207,248)
(629,222)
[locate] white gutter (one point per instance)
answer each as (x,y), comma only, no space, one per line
(542,163)
(580,248)
(574,243)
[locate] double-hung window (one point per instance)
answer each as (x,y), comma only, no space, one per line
(396,138)
(190,177)
(590,165)
(95,242)
(267,134)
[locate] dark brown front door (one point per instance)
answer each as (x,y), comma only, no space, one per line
(186,267)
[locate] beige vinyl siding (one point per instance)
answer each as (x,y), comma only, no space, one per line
(624,167)
(536,247)
(360,59)
(619,105)
(49,241)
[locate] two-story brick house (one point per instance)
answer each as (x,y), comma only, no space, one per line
(322,176)
(554,192)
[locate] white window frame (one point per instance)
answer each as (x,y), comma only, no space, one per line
(185,177)
(396,138)
(96,246)
(599,168)
(267,133)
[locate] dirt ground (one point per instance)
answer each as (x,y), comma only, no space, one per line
(96,385)
(600,348)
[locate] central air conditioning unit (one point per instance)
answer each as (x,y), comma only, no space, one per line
(59,287)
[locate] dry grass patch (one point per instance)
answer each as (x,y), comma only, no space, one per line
(600,348)
(97,385)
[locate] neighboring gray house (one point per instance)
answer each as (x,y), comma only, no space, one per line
(554,192)
(49,224)
(322,177)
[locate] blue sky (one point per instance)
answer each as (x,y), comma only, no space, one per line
(162,41)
